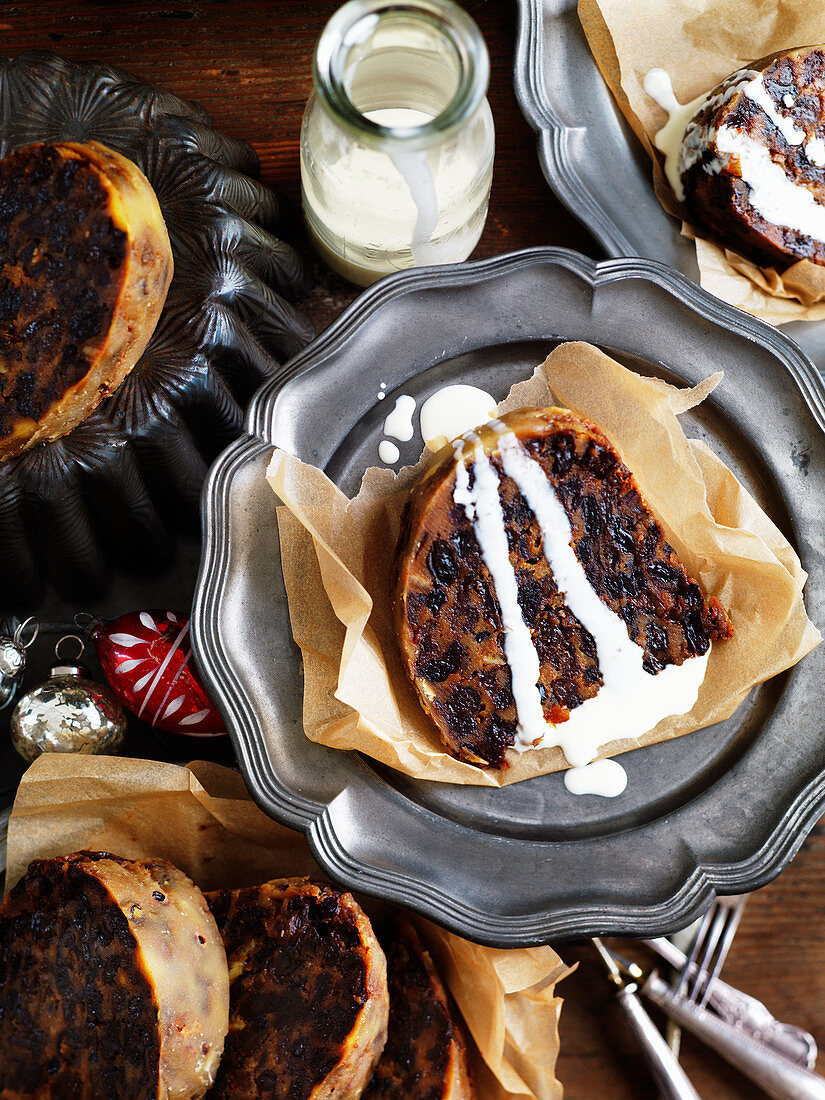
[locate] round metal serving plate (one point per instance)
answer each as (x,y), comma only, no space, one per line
(591,158)
(722,810)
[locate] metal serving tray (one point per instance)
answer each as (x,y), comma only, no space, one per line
(722,810)
(590,156)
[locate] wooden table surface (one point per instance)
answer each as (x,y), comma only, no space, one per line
(249,65)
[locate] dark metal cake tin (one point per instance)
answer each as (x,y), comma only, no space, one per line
(107,493)
(722,810)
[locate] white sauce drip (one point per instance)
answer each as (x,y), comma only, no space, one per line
(674,139)
(603,777)
(814,146)
(388,452)
(399,423)
(756,90)
(777,198)
(483,509)
(453,410)
(414,169)
(669,139)
(631,701)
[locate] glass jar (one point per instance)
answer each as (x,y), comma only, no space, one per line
(397,139)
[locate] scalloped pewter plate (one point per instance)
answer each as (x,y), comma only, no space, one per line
(722,810)
(591,158)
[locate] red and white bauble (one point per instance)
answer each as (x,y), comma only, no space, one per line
(146,657)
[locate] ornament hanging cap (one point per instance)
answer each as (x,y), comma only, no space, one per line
(26,632)
(88,623)
(13,658)
(62,668)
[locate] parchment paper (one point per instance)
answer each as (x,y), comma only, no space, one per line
(699,43)
(338,563)
(202,819)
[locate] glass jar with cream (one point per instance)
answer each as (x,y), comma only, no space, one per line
(397,139)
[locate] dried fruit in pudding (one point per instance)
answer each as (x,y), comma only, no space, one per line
(538,602)
(308,992)
(752,160)
(85,264)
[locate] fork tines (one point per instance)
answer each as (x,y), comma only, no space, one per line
(710,948)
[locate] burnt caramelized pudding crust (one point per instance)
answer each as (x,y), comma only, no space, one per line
(426,1054)
(90,1004)
(448,618)
(120,980)
(85,264)
(776,106)
(308,992)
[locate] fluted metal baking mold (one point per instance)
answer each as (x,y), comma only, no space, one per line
(106,494)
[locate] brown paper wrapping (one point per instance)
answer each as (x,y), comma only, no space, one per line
(699,43)
(337,557)
(202,819)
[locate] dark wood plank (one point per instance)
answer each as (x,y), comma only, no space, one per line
(249,65)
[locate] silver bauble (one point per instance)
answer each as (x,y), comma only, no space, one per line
(12,663)
(13,658)
(68,713)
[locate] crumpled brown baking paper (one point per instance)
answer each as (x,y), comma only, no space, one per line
(699,43)
(202,819)
(338,563)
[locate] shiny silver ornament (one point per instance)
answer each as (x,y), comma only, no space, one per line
(70,712)
(13,658)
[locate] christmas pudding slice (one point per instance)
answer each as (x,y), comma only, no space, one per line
(111,495)
(114,982)
(308,998)
(426,1054)
(85,264)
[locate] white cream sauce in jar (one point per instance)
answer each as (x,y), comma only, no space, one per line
(397,139)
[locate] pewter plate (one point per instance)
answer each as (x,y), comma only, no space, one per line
(590,156)
(722,810)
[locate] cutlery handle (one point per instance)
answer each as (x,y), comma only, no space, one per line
(670,1077)
(775,1075)
(742,1010)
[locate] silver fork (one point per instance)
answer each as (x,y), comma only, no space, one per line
(713,942)
(696,936)
(745,1012)
(774,1073)
(710,944)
